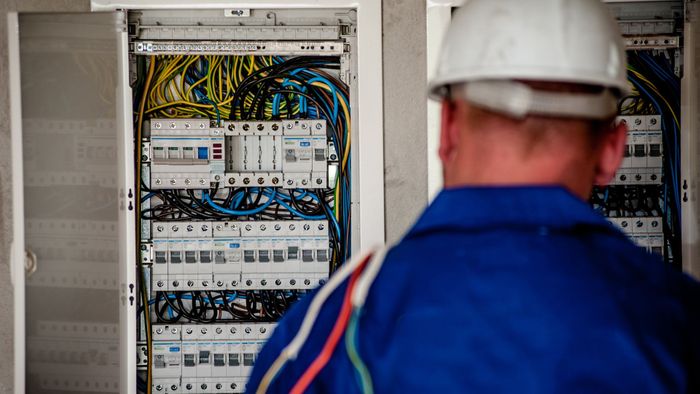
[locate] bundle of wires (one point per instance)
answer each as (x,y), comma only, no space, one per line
(657,90)
(222,306)
(263,88)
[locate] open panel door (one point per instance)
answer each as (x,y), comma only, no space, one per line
(76,149)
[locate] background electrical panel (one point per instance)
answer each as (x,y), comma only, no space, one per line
(243,137)
(644,198)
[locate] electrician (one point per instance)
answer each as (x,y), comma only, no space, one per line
(509,282)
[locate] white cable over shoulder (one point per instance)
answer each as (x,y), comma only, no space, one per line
(364,282)
(291,351)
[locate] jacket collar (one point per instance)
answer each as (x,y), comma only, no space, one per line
(536,207)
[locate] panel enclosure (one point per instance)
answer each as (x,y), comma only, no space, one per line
(249,180)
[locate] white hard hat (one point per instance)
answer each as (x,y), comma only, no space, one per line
(498,42)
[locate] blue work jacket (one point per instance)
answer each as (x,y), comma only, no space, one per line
(510,290)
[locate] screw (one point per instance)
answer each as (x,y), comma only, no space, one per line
(190,283)
(218,386)
(158,181)
(174,330)
(203,386)
(304,182)
(292,227)
(189,331)
(233,386)
(263,227)
(278,282)
(261,180)
(261,126)
(173,387)
(248,227)
(233,330)
(231,126)
(292,282)
(307,282)
(321,226)
(160,229)
(275,127)
(319,181)
(263,282)
(246,180)
(278,227)
(231,181)
(220,283)
(234,283)
(321,281)
(205,227)
(172,125)
(190,227)
(157,125)
(307,227)
(248,282)
(173,181)
(202,181)
(219,227)
(623,224)
(203,330)
(304,126)
(175,228)
(160,283)
(247,330)
(159,387)
(176,283)
(205,283)
(289,126)
(319,126)
(275,180)
(246,127)
(189,386)
(159,331)
(219,330)
(290,182)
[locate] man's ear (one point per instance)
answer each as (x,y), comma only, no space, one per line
(449,132)
(611,151)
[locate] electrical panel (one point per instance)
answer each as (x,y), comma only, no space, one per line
(242,125)
(644,198)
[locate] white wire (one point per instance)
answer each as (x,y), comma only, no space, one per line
(291,351)
(359,293)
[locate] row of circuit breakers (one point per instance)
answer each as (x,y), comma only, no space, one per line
(246,255)
(642,165)
(215,358)
(192,154)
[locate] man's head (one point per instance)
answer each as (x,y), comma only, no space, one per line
(527,97)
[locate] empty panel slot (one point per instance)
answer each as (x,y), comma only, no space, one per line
(234,359)
(322,255)
(205,256)
(639,150)
(189,360)
(204,356)
(264,256)
(161,258)
(249,256)
(175,257)
(248,359)
(655,150)
(190,256)
(278,255)
(307,255)
(219,360)
(293,253)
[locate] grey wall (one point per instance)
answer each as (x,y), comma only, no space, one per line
(404,124)
(405,114)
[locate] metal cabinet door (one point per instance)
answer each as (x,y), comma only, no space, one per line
(75,149)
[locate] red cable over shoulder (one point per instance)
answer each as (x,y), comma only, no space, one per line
(332,342)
